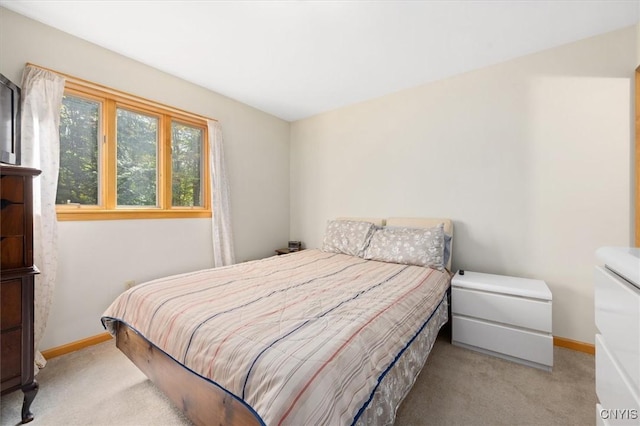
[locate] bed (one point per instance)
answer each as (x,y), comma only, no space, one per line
(314,337)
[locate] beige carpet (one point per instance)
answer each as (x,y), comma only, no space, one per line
(100,386)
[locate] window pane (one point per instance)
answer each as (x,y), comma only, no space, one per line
(137,147)
(186,165)
(79,151)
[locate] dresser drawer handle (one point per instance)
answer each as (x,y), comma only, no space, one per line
(6,203)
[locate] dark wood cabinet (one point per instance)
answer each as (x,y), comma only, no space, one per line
(17,273)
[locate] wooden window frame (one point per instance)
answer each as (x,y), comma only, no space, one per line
(107,192)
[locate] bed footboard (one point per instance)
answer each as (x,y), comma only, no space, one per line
(202,401)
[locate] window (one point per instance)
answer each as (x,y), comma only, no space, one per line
(80,128)
(122,157)
(137,158)
(186,165)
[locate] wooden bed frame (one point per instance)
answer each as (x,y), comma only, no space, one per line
(201,400)
(204,402)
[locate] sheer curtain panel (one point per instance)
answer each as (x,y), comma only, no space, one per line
(42,93)
(223,253)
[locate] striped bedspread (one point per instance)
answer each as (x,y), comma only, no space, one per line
(301,338)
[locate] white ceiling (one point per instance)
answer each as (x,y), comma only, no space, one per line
(294,59)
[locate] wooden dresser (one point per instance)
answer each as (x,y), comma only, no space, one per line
(17,284)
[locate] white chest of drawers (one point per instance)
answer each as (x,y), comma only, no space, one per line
(503,316)
(617,311)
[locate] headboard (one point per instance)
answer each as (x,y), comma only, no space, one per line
(412,222)
(375,220)
(421,222)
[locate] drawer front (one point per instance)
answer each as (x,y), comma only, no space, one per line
(10,304)
(518,311)
(613,388)
(11,361)
(12,221)
(617,306)
(518,343)
(12,252)
(12,188)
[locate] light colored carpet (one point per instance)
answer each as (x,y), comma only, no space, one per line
(463,387)
(100,386)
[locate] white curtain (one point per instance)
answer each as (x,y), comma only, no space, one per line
(223,253)
(42,93)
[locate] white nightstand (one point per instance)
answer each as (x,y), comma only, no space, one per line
(503,316)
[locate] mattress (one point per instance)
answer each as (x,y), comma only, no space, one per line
(306,338)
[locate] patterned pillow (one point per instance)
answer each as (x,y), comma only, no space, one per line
(347,236)
(409,246)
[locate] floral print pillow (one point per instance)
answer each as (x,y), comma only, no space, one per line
(347,237)
(409,246)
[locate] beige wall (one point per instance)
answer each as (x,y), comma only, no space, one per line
(96,258)
(638,44)
(530,158)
